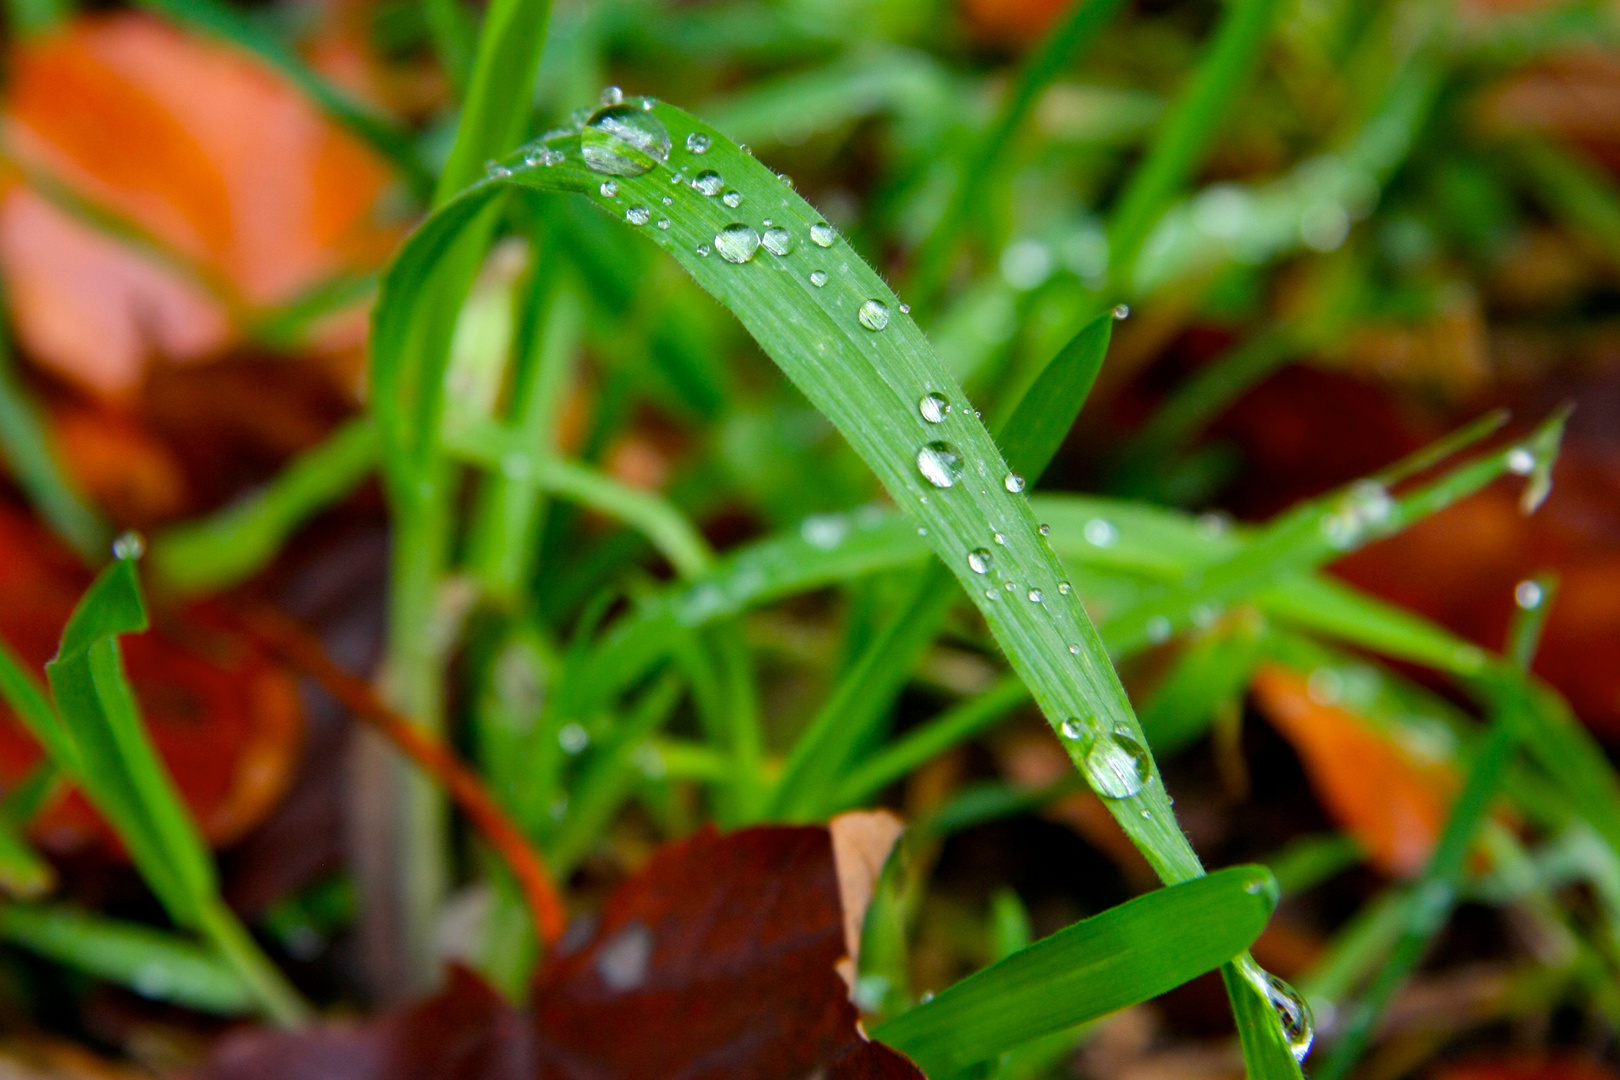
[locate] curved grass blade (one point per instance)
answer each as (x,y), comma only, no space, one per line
(1125,955)
(150,962)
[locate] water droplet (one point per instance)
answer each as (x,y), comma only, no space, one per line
(129,545)
(1009,586)
(1158,629)
(989,594)
(495,170)
(1044,529)
(732,199)
(1065,588)
(573,738)
(543,155)
(905,309)
(1073,729)
(1100,532)
(1122,311)
(1074,650)
(612,95)
(824,531)
(663,223)
(609,189)
(818,278)
(1116,766)
(1292,1013)
(708,182)
(1000,538)
(668,201)
(1520,461)
(1036,596)
(777,240)
(786,179)
(703,251)
(823,234)
(1528,595)
(1013,483)
(698,143)
(621,140)
(638,215)
(874,315)
(935,407)
(979,561)
(940,464)
(737,243)
(648,102)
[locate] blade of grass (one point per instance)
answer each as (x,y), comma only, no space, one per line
(1097,966)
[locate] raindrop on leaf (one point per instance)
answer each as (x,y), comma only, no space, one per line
(622,140)
(940,464)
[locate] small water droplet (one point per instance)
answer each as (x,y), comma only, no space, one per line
(940,464)
(818,278)
(737,243)
(732,199)
(1158,629)
(708,182)
(609,189)
(786,179)
(1074,650)
(612,95)
(1520,461)
(663,223)
(1116,766)
(1009,586)
(1013,483)
(638,215)
(495,170)
(1065,588)
(1528,595)
(129,545)
(648,102)
(573,738)
(1000,538)
(934,407)
(777,240)
(1036,596)
(1122,311)
(980,561)
(1100,532)
(823,234)
(989,594)
(703,251)
(905,309)
(874,315)
(698,143)
(1044,529)
(622,140)
(668,201)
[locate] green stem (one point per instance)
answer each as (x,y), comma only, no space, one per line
(281,1003)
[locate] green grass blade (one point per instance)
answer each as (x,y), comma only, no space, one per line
(232,545)
(24,873)
(152,963)
(499,91)
(1210,673)
(27,699)
(1193,122)
(1047,411)
(219,20)
(27,447)
(1125,955)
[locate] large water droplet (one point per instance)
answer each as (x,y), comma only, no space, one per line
(1292,1013)
(622,140)
(940,464)
(638,215)
(823,234)
(1116,766)
(1013,483)
(935,407)
(732,199)
(979,561)
(698,143)
(708,182)
(874,315)
(737,242)
(777,240)
(818,278)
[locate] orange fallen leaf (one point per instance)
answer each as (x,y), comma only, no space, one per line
(1392,803)
(205,152)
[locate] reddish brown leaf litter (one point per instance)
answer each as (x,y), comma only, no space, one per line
(719,959)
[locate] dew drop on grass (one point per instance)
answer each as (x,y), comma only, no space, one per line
(638,215)
(1122,311)
(818,278)
(777,240)
(874,315)
(1073,729)
(1013,483)
(1292,1013)
(934,407)
(824,531)
(612,95)
(1116,766)
(1158,629)
(698,143)
(1528,595)
(1036,596)
(668,201)
(1044,529)
(732,199)
(663,223)
(708,182)
(573,738)
(622,140)
(609,189)
(940,464)
(495,170)
(823,234)
(1010,587)
(737,243)
(1000,538)
(129,545)
(1074,650)
(1100,532)
(905,309)
(1520,461)
(543,155)
(979,561)
(1064,588)
(703,251)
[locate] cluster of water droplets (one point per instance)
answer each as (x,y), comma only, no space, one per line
(1360,513)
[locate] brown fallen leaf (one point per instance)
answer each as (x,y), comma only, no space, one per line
(1524,1068)
(1393,804)
(717,960)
